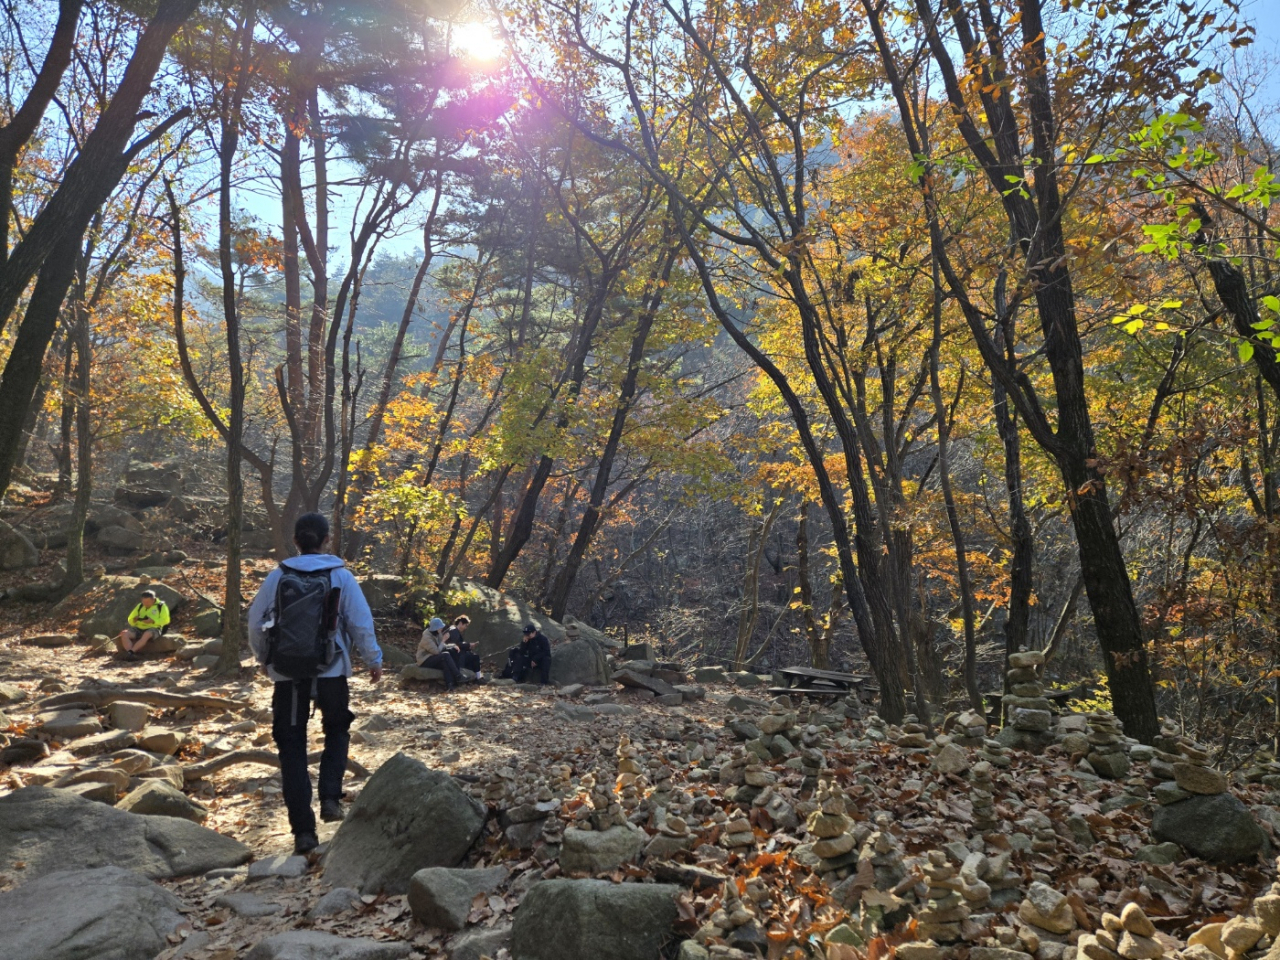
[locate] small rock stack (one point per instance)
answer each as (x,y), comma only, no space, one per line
(1047,911)
(832,829)
(497,788)
(970,729)
(1003,880)
(994,753)
(1043,837)
(1130,935)
(883,851)
(975,890)
(606,811)
(1192,773)
(734,923)
(982,797)
(876,728)
(559,779)
(630,781)
(737,832)
(940,917)
(1106,746)
(1027,709)
(778,807)
(915,735)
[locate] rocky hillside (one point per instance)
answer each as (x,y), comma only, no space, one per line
(141,814)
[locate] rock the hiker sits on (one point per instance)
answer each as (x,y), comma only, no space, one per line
(435,652)
(531,660)
(146,622)
(304,623)
(464,657)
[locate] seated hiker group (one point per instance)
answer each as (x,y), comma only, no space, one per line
(444,648)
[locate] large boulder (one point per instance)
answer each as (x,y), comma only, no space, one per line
(150,484)
(577,650)
(103,604)
(1216,828)
(54,830)
(106,913)
(440,897)
(590,919)
(16,551)
(384,593)
(599,851)
(313,945)
(406,818)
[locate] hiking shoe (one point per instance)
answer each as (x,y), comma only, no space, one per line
(131,655)
(331,810)
(304,843)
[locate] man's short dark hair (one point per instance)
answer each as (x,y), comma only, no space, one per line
(461,619)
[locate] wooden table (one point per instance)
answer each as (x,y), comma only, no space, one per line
(818,683)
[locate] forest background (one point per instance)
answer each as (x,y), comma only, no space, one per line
(894,337)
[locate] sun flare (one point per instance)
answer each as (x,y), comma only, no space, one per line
(475,39)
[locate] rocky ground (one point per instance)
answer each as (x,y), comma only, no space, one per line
(726,826)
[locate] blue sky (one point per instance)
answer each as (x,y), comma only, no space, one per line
(1265,15)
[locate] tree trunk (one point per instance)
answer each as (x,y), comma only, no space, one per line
(74,575)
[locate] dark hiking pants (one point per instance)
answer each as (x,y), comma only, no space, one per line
(290,707)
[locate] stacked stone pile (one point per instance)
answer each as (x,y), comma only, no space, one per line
(948,758)
(982,797)
(969,729)
(631,782)
(1027,709)
(884,852)
(1131,936)
(1043,837)
(945,906)
(1107,757)
(735,923)
(914,736)
(835,841)
(993,751)
(737,832)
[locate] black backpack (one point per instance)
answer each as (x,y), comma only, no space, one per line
(301,643)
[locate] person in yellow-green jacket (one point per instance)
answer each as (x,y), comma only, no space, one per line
(146,622)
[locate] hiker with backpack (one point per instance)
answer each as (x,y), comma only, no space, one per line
(147,621)
(307,618)
(435,652)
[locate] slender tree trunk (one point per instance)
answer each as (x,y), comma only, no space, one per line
(74,575)
(233,628)
(751,586)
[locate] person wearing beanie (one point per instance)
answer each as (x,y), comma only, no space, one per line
(434,652)
(531,660)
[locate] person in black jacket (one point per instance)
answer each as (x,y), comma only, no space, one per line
(464,656)
(531,660)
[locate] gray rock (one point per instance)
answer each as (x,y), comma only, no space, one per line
(578,660)
(165,476)
(280,865)
(709,675)
(407,817)
(599,851)
(422,674)
(479,942)
(160,799)
(247,905)
(11,693)
(106,742)
(121,539)
(593,919)
(739,702)
(310,945)
(659,688)
(106,913)
(128,716)
(1218,828)
(208,622)
(384,593)
(49,641)
(111,599)
(336,901)
(16,551)
(53,830)
(1162,854)
(68,724)
(745,679)
(441,897)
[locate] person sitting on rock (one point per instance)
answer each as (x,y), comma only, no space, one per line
(531,659)
(463,655)
(435,652)
(146,622)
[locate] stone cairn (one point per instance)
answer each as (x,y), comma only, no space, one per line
(914,736)
(1239,935)
(1003,879)
(982,797)
(630,781)
(1130,935)
(734,921)
(876,728)
(994,753)
(830,824)
(1048,913)
(948,758)
(737,832)
(605,811)
(883,851)
(970,729)
(1107,755)
(1043,837)
(1025,705)
(945,907)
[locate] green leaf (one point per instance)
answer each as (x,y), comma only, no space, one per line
(1271,303)
(1096,158)
(1245,349)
